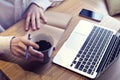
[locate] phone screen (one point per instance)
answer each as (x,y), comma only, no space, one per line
(91,15)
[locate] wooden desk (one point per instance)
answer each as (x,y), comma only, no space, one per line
(51,71)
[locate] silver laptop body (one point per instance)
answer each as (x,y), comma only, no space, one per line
(89,50)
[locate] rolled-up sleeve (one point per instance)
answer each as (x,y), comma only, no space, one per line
(5,44)
(42,3)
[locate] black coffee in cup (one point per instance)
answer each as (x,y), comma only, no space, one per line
(44,47)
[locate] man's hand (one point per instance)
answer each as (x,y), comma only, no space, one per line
(33,17)
(19,46)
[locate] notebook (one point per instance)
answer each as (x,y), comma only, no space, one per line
(89,50)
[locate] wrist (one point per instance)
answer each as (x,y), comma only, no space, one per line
(34,4)
(45,4)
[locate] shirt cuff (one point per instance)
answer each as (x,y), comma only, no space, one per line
(5,44)
(42,3)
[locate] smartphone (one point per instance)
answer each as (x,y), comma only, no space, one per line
(91,15)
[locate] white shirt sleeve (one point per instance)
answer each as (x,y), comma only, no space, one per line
(5,44)
(42,3)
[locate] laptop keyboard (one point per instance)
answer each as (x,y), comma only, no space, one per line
(111,53)
(92,50)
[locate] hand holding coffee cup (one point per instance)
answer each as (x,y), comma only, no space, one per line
(45,43)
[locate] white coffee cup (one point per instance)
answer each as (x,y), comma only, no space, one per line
(47,40)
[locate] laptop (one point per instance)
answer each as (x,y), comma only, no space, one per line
(89,50)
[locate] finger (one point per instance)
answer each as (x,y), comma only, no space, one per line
(36,53)
(42,16)
(38,21)
(27,22)
(33,22)
(19,53)
(22,46)
(29,43)
(31,58)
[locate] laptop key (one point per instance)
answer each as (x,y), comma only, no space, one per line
(80,59)
(89,71)
(91,67)
(84,70)
(77,65)
(86,66)
(81,67)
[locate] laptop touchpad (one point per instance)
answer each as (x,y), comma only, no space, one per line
(75,41)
